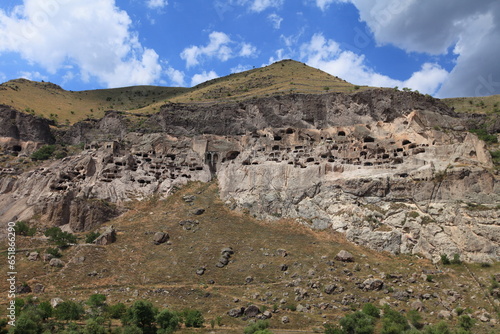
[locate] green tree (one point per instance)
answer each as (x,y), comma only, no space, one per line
(97,303)
(117,311)
(371,310)
(45,310)
(357,323)
(439,328)
(193,318)
(29,322)
(132,330)
(94,326)
(393,322)
(167,321)
(22,228)
(44,153)
(465,322)
(415,319)
(3,326)
(69,310)
(141,314)
(91,236)
(60,238)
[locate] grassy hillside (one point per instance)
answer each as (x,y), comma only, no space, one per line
(482,105)
(134,268)
(67,107)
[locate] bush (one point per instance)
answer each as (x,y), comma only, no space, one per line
(371,310)
(485,136)
(68,310)
(94,326)
(44,153)
(456,259)
(141,314)
(91,236)
(465,322)
(168,322)
(357,322)
(445,260)
(193,318)
(54,252)
(393,322)
(439,328)
(117,311)
(22,228)
(60,238)
(415,319)
(259,327)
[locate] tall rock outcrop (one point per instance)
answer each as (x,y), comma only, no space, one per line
(393,171)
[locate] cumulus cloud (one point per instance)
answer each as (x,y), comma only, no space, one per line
(33,75)
(275,20)
(156,4)
(469,28)
(261,5)
(92,35)
(176,77)
(241,68)
(328,56)
(202,77)
(220,46)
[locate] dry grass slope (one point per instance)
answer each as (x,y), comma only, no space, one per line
(134,268)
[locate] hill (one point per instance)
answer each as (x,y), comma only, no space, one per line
(68,107)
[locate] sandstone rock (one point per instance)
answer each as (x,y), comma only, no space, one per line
(418,306)
(160,238)
(344,256)
(444,314)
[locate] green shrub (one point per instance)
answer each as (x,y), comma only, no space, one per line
(371,310)
(141,314)
(258,327)
(465,322)
(415,319)
(54,252)
(456,259)
(22,228)
(91,236)
(116,311)
(60,238)
(357,322)
(69,310)
(445,260)
(393,322)
(193,318)
(44,153)
(485,136)
(168,322)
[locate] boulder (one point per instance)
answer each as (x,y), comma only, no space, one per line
(55,262)
(249,279)
(444,314)
(344,256)
(200,271)
(160,238)
(373,284)
(33,256)
(283,267)
(23,288)
(107,237)
(236,312)
(198,212)
(285,320)
(252,311)
(330,288)
(54,302)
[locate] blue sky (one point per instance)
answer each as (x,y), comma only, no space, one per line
(444,48)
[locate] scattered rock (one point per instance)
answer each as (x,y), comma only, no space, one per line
(23,288)
(373,284)
(285,320)
(198,212)
(249,279)
(200,271)
(329,289)
(236,312)
(418,306)
(225,256)
(34,256)
(54,302)
(47,257)
(264,315)
(444,314)
(56,263)
(189,225)
(38,288)
(107,237)
(252,311)
(160,238)
(283,267)
(344,256)
(282,252)
(188,198)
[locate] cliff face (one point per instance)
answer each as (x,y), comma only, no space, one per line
(394,171)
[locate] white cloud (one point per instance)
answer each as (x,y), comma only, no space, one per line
(275,20)
(92,35)
(261,5)
(241,68)
(156,4)
(176,77)
(220,46)
(3,77)
(328,56)
(34,76)
(247,50)
(470,28)
(202,77)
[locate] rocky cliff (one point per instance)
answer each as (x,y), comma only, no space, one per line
(394,171)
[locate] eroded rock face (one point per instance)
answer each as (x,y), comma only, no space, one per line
(392,171)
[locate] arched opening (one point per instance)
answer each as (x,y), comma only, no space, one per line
(341,133)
